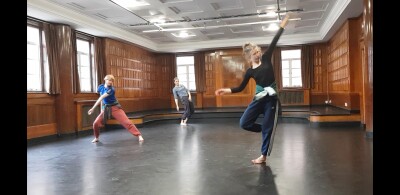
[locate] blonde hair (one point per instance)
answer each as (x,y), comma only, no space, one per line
(176,78)
(248,48)
(109,77)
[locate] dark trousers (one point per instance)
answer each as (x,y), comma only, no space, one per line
(266,106)
(189,107)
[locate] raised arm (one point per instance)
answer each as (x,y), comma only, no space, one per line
(268,54)
(285,21)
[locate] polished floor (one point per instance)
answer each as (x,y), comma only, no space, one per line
(207,157)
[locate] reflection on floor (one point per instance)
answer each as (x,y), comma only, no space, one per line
(209,156)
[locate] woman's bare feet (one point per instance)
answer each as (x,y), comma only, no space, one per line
(141,138)
(259,160)
(95,140)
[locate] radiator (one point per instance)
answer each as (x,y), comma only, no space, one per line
(87,120)
(291,97)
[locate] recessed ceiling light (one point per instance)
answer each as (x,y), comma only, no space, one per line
(130,3)
(183,34)
(271,27)
(158,20)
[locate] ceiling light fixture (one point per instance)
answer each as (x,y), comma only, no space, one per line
(212,27)
(271,27)
(130,3)
(158,20)
(211,18)
(183,34)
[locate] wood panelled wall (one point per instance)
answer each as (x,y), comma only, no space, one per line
(319,83)
(344,65)
(226,68)
(143,79)
(210,68)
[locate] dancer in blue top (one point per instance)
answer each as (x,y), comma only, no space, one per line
(111,107)
(265,100)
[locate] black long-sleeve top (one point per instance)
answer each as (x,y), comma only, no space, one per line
(263,74)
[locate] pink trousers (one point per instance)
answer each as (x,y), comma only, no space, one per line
(120,116)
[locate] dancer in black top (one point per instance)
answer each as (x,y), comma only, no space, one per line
(265,100)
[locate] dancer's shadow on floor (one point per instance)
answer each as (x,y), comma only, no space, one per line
(257,179)
(265,183)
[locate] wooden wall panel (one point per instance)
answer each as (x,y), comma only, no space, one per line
(40,109)
(230,68)
(143,80)
(209,102)
(320,65)
(210,68)
(355,57)
(318,98)
(344,66)
(41,115)
(208,97)
(41,130)
(367,65)
(338,61)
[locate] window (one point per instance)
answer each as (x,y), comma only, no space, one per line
(85,63)
(185,70)
(291,68)
(36,58)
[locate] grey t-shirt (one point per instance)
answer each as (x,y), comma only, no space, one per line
(179,91)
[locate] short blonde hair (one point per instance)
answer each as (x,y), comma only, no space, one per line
(109,77)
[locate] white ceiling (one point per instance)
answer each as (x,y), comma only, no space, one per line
(215,23)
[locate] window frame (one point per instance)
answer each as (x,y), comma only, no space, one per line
(39,26)
(290,68)
(88,38)
(187,69)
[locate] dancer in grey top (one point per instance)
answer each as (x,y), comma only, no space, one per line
(180,91)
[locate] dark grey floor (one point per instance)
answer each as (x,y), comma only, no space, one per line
(207,157)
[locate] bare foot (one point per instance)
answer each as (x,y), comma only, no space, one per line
(141,138)
(259,160)
(95,140)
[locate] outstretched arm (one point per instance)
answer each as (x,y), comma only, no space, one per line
(223,91)
(98,102)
